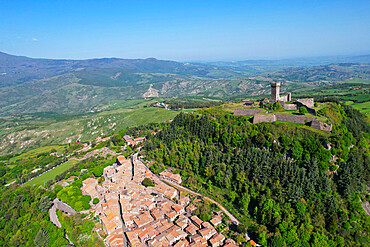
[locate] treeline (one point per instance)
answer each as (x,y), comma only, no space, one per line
(299,187)
(176,104)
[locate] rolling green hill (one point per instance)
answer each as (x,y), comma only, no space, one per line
(78,86)
(19,133)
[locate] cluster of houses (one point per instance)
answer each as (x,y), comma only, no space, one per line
(161,105)
(148,216)
(129,140)
(171,177)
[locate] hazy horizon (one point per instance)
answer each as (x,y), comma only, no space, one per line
(189,31)
(203,61)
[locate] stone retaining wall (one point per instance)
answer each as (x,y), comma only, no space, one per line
(310,110)
(321,126)
(309,102)
(289,107)
(293,119)
(246,112)
(264,118)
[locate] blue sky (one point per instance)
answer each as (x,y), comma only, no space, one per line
(184,30)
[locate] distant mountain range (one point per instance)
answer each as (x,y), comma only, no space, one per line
(76,86)
(296,62)
(18,69)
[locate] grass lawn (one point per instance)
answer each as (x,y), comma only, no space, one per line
(50,175)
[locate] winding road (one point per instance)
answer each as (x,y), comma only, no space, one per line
(57,204)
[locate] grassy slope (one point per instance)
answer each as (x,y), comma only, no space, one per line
(50,175)
(82,128)
(34,152)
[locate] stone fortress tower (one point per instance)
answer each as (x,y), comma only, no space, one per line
(275,93)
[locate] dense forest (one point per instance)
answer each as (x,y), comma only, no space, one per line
(25,218)
(289,185)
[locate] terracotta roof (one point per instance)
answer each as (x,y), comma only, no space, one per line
(172,214)
(177,208)
(198,239)
(157,213)
(230,245)
(216,220)
(90,181)
(121,159)
(217,238)
(207,232)
(182,243)
(191,229)
(196,220)
(191,207)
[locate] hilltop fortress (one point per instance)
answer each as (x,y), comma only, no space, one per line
(285,102)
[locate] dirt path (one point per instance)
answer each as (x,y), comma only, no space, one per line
(177,186)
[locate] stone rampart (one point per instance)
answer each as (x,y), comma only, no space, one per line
(264,118)
(246,112)
(293,119)
(309,102)
(321,126)
(309,110)
(289,107)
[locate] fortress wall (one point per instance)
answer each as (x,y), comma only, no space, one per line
(321,126)
(246,112)
(264,118)
(307,102)
(283,98)
(310,110)
(290,107)
(294,119)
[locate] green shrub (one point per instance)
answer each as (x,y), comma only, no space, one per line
(96,200)
(147,182)
(303,110)
(57,188)
(205,216)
